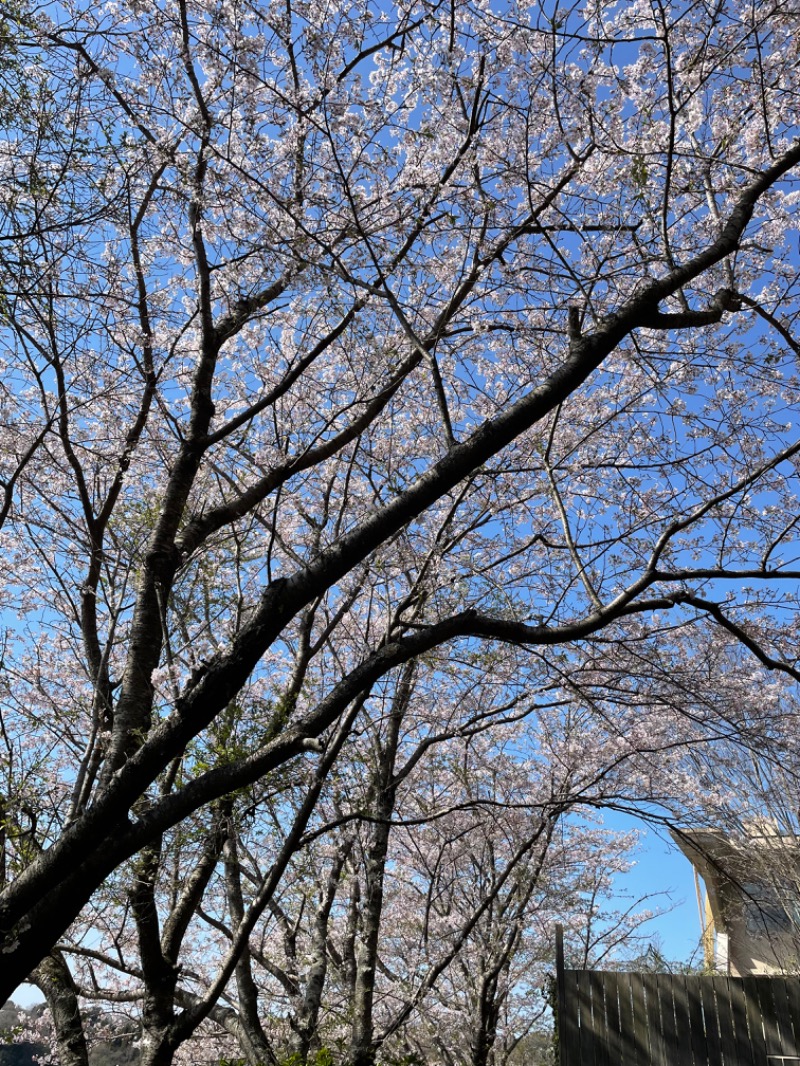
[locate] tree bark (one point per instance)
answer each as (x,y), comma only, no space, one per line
(362,1049)
(252,1037)
(54,980)
(305,1024)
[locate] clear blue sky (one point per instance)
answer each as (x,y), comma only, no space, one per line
(662,868)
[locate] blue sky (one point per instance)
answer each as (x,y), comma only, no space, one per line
(662,868)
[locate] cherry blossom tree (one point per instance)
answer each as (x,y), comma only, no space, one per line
(382,909)
(338,338)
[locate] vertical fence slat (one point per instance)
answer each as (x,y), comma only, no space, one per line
(570,1032)
(783,1016)
(697,1028)
(640,1027)
(587,1033)
(657,1055)
(684,1050)
(755,1023)
(601,1056)
(666,997)
(613,1018)
(772,1035)
(725,1016)
(628,1042)
(793,1001)
(743,1051)
(714,1049)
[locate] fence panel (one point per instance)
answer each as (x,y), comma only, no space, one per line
(727,1037)
(641,1029)
(666,994)
(631,1019)
(743,1050)
(784,1020)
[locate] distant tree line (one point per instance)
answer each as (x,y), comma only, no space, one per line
(19,1046)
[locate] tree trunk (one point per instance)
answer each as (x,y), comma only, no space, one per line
(362,1050)
(156,1049)
(485,1031)
(160,975)
(252,1038)
(305,1025)
(54,980)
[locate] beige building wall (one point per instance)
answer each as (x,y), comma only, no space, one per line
(753,898)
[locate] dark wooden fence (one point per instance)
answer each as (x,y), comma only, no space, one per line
(635,1019)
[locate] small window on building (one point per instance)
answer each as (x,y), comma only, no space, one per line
(768,908)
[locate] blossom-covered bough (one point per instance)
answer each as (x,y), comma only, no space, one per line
(425,881)
(341,336)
